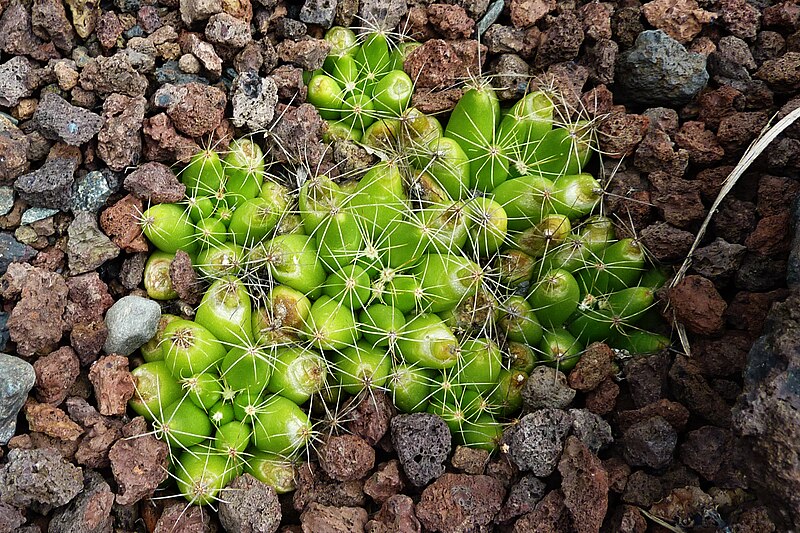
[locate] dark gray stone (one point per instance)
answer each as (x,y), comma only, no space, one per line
(536,442)
(51,185)
(591,429)
(170,72)
(319,12)
(659,70)
(57,119)
(547,387)
(90,512)
(383,14)
(17,378)
(650,443)
(250,506)
(40,479)
(11,250)
(131,322)
(4,335)
(422,442)
(491,16)
(522,498)
(91,192)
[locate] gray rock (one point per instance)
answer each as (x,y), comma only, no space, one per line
(88,247)
(547,387)
(422,442)
(91,192)
(383,14)
(491,16)
(197,10)
(319,12)
(50,185)
(14,86)
(14,150)
(17,378)
(767,414)
(131,322)
(11,250)
(659,70)
(170,72)
(522,498)
(34,214)
(4,334)
(511,76)
(40,479)
(227,30)
(6,200)
(250,506)
(536,442)
(253,100)
(731,60)
(90,512)
(57,119)
(650,443)
(591,429)
(11,518)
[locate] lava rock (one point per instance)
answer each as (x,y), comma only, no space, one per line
(547,387)
(51,185)
(120,222)
(308,54)
(522,498)
(89,299)
(155,183)
(90,192)
(591,429)
(584,482)
(296,134)
(384,14)
(39,479)
(650,443)
(226,30)
(37,321)
(667,243)
(346,457)
(511,76)
(460,502)
(88,247)
(386,482)
(561,41)
(535,443)
(15,146)
(781,74)
(676,414)
(197,10)
(119,143)
(396,514)
(90,512)
(11,251)
(594,366)
(195,109)
(139,464)
(17,37)
(115,74)
(659,70)
(131,322)
(179,517)
(113,384)
(55,374)
(550,515)
(52,421)
(319,12)
(718,260)
(371,417)
(49,21)
(12,518)
(422,442)
(698,305)
(15,77)
(253,100)
(185,281)
(438,64)
(318,517)
(251,507)
(470,460)
(526,13)
(17,378)
(313,485)
(57,119)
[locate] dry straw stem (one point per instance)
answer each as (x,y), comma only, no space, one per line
(756,148)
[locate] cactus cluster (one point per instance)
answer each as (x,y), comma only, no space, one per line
(443,275)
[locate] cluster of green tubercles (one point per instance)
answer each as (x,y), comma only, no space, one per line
(442,275)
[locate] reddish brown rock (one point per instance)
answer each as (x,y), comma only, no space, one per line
(747,311)
(113,384)
(451,21)
(561,41)
(682,19)
(370,419)
(737,130)
(385,482)
(550,516)
(656,153)
(584,483)
(89,299)
(438,64)
(181,518)
(618,471)
(396,515)
(318,517)
(698,305)
(346,457)
(195,109)
(772,235)
(740,17)
(37,322)
(691,389)
(676,414)
(596,20)
(677,199)
(602,400)
(470,460)
(119,142)
(163,143)
(701,143)
(121,223)
(776,194)
(155,183)
(55,374)
(666,243)
(435,102)
(101,433)
(109,29)
(594,367)
(50,420)
(308,54)
(621,133)
(315,486)
(185,281)
(628,519)
(139,465)
(526,13)
(459,502)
